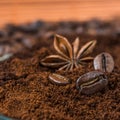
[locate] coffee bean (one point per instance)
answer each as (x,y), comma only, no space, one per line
(91,82)
(104,62)
(58,79)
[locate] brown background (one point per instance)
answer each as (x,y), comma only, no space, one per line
(19,11)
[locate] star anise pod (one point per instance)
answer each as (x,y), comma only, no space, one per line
(70,56)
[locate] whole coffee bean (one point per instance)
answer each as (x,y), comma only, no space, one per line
(58,79)
(91,82)
(104,62)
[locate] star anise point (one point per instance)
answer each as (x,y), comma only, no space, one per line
(70,56)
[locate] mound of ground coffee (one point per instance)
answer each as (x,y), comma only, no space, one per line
(25,91)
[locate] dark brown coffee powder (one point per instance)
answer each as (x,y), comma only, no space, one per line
(27,94)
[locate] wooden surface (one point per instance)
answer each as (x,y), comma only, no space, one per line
(20,11)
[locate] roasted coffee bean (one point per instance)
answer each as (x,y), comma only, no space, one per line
(104,62)
(58,79)
(91,82)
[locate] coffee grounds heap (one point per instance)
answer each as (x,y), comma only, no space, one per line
(25,91)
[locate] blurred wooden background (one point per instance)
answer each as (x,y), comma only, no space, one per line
(20,11)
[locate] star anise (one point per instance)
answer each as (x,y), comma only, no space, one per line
(70,56)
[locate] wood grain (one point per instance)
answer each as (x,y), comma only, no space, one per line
(17,11)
